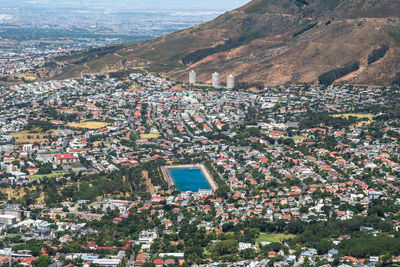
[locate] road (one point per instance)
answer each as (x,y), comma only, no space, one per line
(131,260)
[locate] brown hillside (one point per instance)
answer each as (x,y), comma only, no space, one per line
(272,42)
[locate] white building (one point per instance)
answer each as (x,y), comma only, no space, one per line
(107,262)
(8,219)
(243,246)
(27,148)
(215,79)
(192,77)
(230,83)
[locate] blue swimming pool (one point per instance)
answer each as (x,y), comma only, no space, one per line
(187,179)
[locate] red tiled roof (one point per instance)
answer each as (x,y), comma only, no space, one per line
(65,156)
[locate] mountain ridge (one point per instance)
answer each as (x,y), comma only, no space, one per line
(270,42)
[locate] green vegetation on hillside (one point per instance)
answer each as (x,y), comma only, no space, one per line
(228,45)
(309,27)
(377,54)
(329,77)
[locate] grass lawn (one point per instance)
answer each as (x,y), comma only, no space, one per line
(149,136)
(264,237)
(92,125)
(51,175)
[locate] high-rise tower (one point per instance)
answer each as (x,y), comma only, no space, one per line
(215,79)
(192,77)
(230,82)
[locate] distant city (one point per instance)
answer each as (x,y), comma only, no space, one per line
(133,18)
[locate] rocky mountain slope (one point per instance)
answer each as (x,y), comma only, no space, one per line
(270,42)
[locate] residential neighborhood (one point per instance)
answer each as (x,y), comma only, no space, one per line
(305,175)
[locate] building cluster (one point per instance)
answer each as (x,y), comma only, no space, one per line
(278,156)
(215,80)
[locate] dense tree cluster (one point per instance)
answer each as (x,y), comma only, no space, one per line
(317,119)
(40,124)
(369,245)
(121,182)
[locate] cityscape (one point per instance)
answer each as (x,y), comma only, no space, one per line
(133,167)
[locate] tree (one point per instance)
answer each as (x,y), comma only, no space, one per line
(225,247)
(248,254)
(42,261)
(323,246)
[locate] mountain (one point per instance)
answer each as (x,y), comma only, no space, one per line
(270,42)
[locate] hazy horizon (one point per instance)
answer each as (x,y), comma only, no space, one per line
(131,5)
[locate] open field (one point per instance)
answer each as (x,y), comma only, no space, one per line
(264,237)
(13,193)
(51,175)
(358,116)
(92,125)
(30,137)
(27,76)
(149,136)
